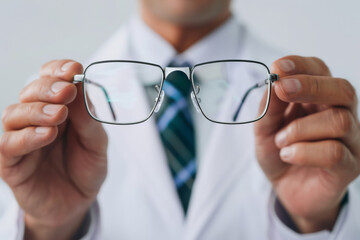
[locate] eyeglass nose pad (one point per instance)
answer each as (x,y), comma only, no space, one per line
(159,101)
(195,103)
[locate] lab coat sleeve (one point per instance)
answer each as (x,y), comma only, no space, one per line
(347,225)
(10,226)
(13,227)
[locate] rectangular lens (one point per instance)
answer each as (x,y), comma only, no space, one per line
(122,92)
(232,91)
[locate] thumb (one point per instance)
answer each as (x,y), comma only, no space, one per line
(274,117)
(90,132)
(266,151)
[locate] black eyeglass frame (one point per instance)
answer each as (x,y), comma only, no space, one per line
(81,78)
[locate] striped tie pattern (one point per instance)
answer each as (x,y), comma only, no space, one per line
(177,133)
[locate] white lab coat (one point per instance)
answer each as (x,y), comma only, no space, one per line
(231,198)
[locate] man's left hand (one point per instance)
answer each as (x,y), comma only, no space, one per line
(308,144)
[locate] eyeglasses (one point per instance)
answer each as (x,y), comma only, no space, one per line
(129,92)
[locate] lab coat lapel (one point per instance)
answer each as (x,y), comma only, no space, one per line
(141,146)
(219,168)
(229,153)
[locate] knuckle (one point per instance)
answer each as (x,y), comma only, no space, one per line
(49,67)
(337,153)
(34,113)
(36,88)
(323,67)
(28,109)
(43,89)
(348,89)
(22,140)
(3,143)
(27,113)
(314,86)
(23,94)
(342,121)
(5,117)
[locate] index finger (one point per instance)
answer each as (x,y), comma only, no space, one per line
(316,90)
(55,83)
(62,69)
(291,65)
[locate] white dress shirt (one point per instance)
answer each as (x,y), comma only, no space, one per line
(240,208)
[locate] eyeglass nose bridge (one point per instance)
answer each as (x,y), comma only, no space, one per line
(185,70)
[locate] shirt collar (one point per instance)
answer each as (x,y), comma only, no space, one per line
(148,46)
(222,43)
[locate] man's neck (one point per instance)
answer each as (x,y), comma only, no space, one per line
(179,36)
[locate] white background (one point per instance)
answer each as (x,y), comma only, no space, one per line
(33,32)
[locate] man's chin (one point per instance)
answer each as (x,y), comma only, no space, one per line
(189,14)
(189,19)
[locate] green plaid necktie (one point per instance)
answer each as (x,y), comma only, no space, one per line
(177,133)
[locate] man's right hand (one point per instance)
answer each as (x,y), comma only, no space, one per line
(52,154)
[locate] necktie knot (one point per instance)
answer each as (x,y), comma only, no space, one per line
(178,81)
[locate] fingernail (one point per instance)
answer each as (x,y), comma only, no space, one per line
(66,66)
(286,153)
(286,65)
(51,109)
(280,138)
(41,130)
(291,85)
(58,86)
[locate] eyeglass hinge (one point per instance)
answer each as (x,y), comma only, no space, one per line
(78,78)
(273,77)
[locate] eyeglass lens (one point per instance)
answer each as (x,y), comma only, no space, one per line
(232,92)
(116,92)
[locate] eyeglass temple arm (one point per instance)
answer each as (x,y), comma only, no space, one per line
(272,78)
(80,78)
